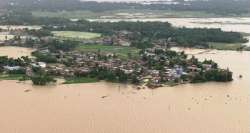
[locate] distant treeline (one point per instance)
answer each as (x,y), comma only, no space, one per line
(142,34)
(212,6)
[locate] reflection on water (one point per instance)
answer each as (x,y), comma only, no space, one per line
(112,108)
(17,27)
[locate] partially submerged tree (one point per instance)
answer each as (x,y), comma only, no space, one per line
(41,78)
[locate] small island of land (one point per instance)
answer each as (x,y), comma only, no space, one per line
(84,63)
(126,52)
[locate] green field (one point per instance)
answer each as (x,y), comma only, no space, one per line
(11,76)
(122,52)
(225,46)
(75,35)
(78,80)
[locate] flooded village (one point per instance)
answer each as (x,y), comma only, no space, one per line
(155,67)
(56,78)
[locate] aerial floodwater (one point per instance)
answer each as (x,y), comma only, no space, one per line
(111,108)
(115,108)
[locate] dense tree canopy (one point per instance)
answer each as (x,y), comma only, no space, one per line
(146,32)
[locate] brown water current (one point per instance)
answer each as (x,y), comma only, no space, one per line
(113,108)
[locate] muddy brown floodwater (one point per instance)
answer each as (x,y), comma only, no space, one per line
(15,52)
(113,108)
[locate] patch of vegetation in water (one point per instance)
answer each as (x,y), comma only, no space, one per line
(226,46)
(20,77)
(78,80)
(42,79)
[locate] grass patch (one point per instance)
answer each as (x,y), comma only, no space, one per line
(78,80)
(12,77)
(225,46)
(121,52)
(75,35)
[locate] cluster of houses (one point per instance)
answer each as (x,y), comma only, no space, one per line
(81,64)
